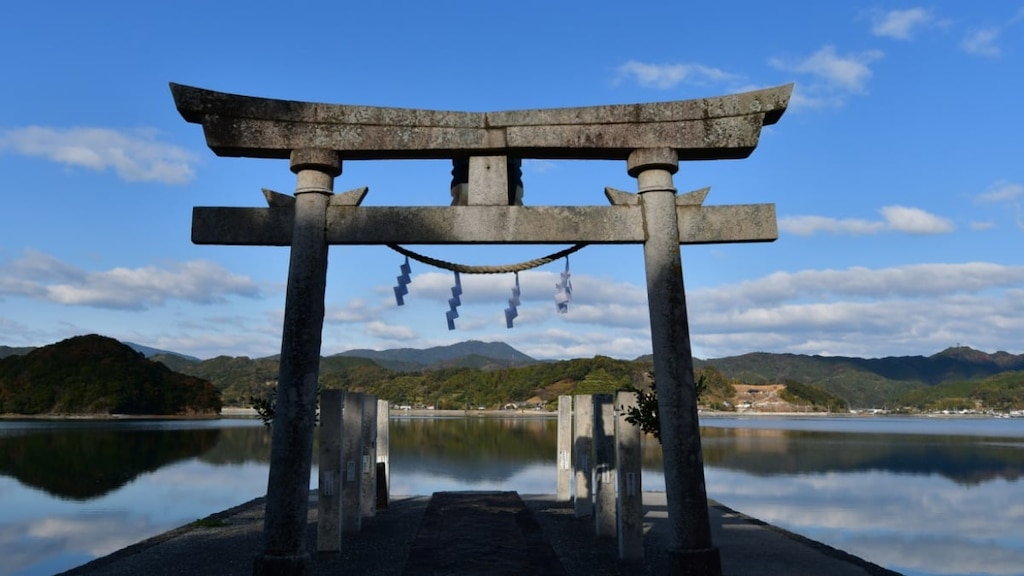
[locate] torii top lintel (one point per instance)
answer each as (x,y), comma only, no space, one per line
(722,127)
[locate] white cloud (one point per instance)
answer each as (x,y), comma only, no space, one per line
(915,221)
(41,276)
(917,526)
(863,312)
(1002,191)
(378,329)
(901,24)
(982,42)
(847,73)
(912,281)
(561,343)
(982,225)
(357,310)
(814,97)
(218,336)
(609,313)
(136,156)
(810,225)
(664,76)
(859,311)
(894,218)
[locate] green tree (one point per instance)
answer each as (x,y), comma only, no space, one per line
(645,413)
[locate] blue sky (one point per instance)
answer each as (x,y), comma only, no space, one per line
(897,171)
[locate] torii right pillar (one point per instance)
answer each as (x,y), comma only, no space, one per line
(685,493)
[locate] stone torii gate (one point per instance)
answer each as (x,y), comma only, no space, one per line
(317,138)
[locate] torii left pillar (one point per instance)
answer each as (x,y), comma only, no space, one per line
(287,508)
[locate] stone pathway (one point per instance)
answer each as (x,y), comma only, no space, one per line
(467,533)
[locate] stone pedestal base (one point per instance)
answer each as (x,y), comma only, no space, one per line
(266,565)
(702,562)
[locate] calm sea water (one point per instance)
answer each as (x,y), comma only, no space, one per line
(920,496)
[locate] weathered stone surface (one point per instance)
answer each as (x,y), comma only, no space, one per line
(368,499)
(488,181)
(384,444)
(564,446)
(352,463)
(324,162)
(295,412)
(699,129)
(485,225)
(583,455)
(652,158)
(628,461)
(605,472)
(328,535)
(685,491)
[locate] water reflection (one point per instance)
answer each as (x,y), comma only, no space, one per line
(83,462)
(471,450)
(966,460)
(919,503)
(916,525)
(922,498)
(73,491)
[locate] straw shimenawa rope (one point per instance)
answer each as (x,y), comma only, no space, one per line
(505,269)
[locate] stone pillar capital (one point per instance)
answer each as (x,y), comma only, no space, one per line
(653,169)
(644,159)
(316,170)
(326,161)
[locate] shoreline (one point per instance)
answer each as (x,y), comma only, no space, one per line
(242,413)
(108,417)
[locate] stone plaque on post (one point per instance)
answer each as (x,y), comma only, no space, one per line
(351,463)
(604,466)
(368,499)
(564,447)
(328,525)
(631,499)
(582,455)
(384,450)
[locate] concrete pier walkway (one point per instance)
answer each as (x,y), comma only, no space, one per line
(480,533)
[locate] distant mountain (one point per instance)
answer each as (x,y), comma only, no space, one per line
(96,375)
(470,354)
(6,351)
(868,382)
(175,362)
(150,352)
(146,351)
(412,375)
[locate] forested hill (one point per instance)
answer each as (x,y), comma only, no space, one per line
(872,382)
(96,375)
(494,374)
(472,354)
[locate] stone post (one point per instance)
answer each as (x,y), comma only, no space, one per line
(604,466)
(630,512)
(368,504)
(687,503)
(328,524)
(287,508)
(384,448)
(352,462)
(564,447)
(488,181)
(582,454)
